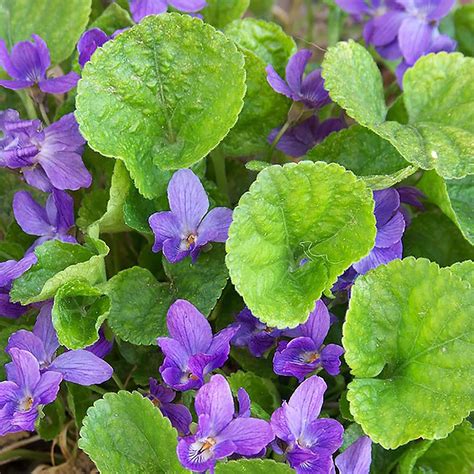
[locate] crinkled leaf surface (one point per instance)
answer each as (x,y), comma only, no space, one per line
(60,23)
(455,197)
(464,270)
(58,263)
(367,155)
(221,12)
(434,236)
(438,96)
(408,336)
(253,466)
(263,110)
(124,432)
(265,39)
(78,312)
(202,282)
(166,92)
(314,211)
(139,306)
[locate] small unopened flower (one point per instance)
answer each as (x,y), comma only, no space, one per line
(306,353)
(78,366)
(51,222)
(49,158)
(178,414)
(188,226)
(307,442)
(356,458)
(142,8)
(25,391)
(309,90)
(27,65)
(191,351)
(221,432)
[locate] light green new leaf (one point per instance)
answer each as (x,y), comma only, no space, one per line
(464,270)
(314,211)
(166,92)
(464,24)
(438,96)
(263,110)
(139,306)
(221,12)
(265,39)
(253,466)
(201,282)
(58,263)
(78,312)
(455,197)
(60,23)
(408,330)
(124,432)
(367,155)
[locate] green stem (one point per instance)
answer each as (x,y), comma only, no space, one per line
(97,389)
(218,161)
(27,454)
(44,114)
(310,20)
(118,382)
(28,104)
(275,141)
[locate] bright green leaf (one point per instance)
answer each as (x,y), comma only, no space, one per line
(314,211)
(454,197)
(411,455)
(409,330)
(221,12)
(139,306)
(265,39)
(78,312)
(364,153)
(464,23)
(464,270)
(58,263)
(166,93)
(253,466)
(202,282)
(60,23)
(124,432)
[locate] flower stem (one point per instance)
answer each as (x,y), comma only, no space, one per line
(118,382)
(44,115)
(277,139)
(28,104)
(97,389)
(218,161)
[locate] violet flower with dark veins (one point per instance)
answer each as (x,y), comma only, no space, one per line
(25,391)
(307,442)
(27,65)
(220,432)
(356,458)
(11,270)
(188,226)
(51,222)
(90,41)
(178,414)
(306,353)
(298,140)
(191,352)
(78,366)
(309,90)
(142,8)
(49,158)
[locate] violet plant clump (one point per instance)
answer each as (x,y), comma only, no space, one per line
(236,236)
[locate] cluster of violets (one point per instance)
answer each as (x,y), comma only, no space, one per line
(403,29)
(49,157)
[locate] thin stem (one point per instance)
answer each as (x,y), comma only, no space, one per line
(28,104)
(44,114)
(310,20)
(25,454)
(98,390)
(118,382)
(275,141)
(19,444)
(218,161)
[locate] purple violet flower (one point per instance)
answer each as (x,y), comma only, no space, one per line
(51,222)
(254,334)
(191,351)
(307,442)
(390,227)
(220,431)
(77,366)
(356,459)
(25,391)
(298,140)
(188,226)
(102,347)
(142,8)
(306,353)
(90,41)
(309,90)
(178,414)
(27,65)
(11,270)
(49,158)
